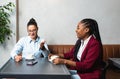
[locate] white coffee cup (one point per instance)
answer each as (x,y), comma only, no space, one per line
(53,57)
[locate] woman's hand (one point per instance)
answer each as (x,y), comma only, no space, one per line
(58,61)
(18,58)
(49,56)
(64,61)
(42,44)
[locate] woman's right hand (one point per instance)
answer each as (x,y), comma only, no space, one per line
(49,56)
(18,58)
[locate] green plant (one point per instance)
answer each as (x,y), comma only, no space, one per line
(5,31)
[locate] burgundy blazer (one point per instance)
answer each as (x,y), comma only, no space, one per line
(90,65)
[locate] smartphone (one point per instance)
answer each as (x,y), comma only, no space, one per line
(32,62)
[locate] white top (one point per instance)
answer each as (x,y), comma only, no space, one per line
(82,47)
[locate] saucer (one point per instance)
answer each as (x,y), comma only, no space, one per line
(29,57)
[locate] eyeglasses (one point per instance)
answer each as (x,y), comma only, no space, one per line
(32,31)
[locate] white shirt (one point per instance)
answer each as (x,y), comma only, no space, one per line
(82,47)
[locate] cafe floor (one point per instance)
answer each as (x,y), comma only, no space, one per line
(113,73)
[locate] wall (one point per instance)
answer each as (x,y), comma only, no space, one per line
(6,47)
(57,19)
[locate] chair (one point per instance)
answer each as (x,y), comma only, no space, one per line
(104,69)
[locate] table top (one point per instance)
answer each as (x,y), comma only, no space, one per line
(115,61)
(40,69)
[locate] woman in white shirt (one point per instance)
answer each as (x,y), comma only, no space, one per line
(30,45)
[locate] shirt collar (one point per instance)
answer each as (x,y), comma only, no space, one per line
(37,39)
(85,41)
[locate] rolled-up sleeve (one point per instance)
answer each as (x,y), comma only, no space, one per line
(17,48)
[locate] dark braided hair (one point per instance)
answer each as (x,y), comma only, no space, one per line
(93,27)
(32,22)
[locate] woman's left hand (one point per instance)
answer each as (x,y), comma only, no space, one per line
(58,61)
(42,44)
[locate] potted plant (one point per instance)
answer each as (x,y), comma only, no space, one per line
(5,31)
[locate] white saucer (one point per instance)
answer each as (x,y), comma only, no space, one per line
(29,57)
